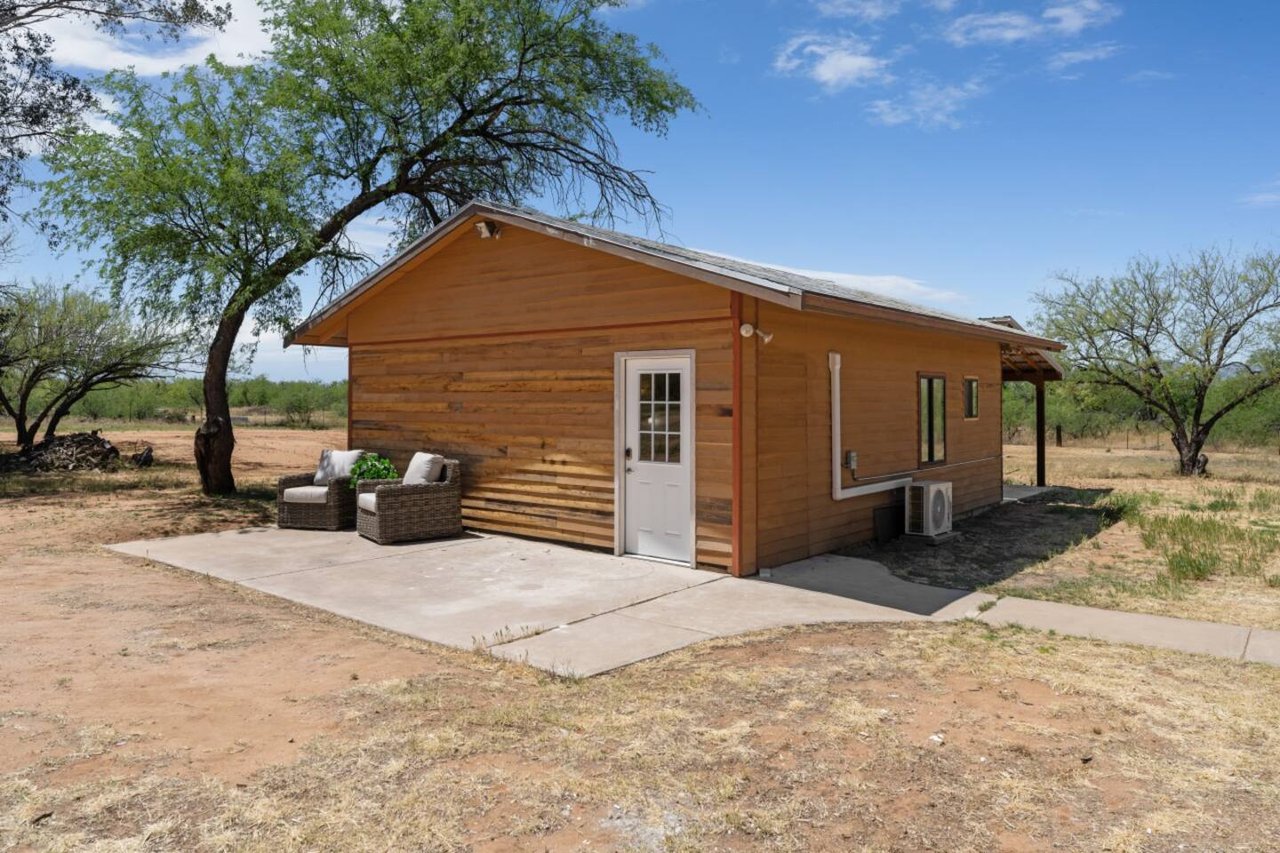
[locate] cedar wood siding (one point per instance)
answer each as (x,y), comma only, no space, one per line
(795,515)
(500,353)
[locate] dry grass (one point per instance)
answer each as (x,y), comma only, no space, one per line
(950,737)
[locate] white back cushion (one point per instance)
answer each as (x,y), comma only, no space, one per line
(335,464)
(423,468)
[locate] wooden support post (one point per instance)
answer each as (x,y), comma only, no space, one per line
(1040,433)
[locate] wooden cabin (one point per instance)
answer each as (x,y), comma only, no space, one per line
(619,393)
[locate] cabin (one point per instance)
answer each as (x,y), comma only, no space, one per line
(620,393)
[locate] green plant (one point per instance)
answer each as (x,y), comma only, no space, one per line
(372,466)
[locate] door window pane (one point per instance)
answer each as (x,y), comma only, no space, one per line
(659,421)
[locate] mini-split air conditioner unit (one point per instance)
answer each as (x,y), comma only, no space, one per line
(928,508)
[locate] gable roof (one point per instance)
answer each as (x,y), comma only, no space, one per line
(774,284)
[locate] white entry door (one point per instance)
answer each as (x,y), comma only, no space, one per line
(657,457)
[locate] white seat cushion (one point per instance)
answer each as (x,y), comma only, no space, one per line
(423,468)
(335,464)
(368,502)
(306,494)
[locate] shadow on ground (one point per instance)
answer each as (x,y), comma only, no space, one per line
(999,543)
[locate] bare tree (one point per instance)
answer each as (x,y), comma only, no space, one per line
(1192,339)
(66,343)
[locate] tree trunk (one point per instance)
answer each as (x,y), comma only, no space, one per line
(1191,458)
(55,418)
(215,440)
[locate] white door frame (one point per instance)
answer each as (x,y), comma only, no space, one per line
(620,360)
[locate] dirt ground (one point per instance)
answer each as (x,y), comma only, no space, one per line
(1070,546)
(145,708)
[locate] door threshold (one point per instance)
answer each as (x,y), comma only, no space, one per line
(684,564)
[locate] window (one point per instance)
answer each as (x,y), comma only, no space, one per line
(933,419)
(660,417)
(970,397)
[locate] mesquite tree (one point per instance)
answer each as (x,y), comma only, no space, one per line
(224,184)
(64,343)
(1191,339)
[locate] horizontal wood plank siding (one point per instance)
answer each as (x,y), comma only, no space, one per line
(501,353)
(881,362)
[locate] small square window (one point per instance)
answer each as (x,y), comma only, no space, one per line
(970,397)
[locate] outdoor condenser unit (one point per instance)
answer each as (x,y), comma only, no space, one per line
(928,508)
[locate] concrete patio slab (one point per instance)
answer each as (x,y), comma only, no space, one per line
(1263,647)
(1184,635)
(872,583)
(1013,494)
(465,592)
(254,552)
(724,608)
(598,645)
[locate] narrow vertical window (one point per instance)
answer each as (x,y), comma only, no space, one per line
(933,419)
(970,397)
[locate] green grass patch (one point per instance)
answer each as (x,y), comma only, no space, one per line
(1196,547)
(1264,500)
(1125,506)
(1104,589)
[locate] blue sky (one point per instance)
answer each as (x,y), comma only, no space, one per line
(955,152)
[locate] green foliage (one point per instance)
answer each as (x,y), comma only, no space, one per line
(372,466)
(180,400)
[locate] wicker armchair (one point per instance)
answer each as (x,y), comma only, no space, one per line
(338,512)
(406,513)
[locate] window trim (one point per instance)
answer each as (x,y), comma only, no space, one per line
(923,463)
(964,397)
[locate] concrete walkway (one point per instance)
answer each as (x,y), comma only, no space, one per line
(581,613)
(1184,635)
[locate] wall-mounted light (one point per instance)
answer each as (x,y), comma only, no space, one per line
(488,229)
(747,330)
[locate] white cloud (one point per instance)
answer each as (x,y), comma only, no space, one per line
(992,28)
(927,105)
(896,286)
(79,45)
(835,61)
(1065,59)
(1150,75)
(863,10)
(1063,19)
(1075,16)
(1268,195)
(273,360)
(372,235)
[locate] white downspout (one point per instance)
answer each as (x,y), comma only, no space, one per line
(838,491)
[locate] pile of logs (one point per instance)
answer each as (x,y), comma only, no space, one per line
(80,451)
